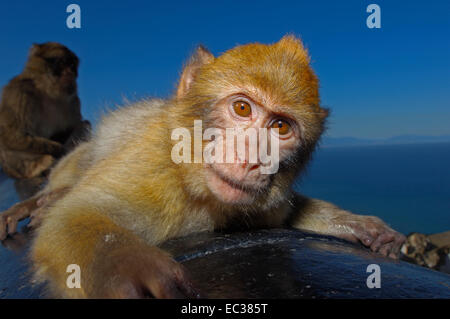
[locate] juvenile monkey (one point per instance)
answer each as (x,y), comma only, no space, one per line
(127,195)
(40,117)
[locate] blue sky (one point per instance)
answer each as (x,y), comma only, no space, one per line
(378,82)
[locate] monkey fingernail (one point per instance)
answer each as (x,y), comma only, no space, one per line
(367,241)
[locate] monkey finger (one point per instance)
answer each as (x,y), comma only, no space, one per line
(384,238)
(348,236)
(36,217)
(42,200)
(189,290)
(3,228)
(10,219)
(186,286)
(18,212)
(372,231)
(365,238)
(14,219)
(34,222)
(174,283)
(393,255)
(12,222)
(163,288)
(386,249)
(397,245)
(361,235)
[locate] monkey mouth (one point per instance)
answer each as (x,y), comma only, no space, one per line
(238,186)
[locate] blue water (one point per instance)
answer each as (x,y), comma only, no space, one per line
(408,186)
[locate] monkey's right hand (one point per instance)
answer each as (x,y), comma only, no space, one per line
(141,272)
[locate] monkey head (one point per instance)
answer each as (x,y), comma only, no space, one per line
(54,63)
(255,86)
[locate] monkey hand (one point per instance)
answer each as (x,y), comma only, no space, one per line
(34,207)
(81,132)
(10,219)
(371,232)
(54,148)
(141,272)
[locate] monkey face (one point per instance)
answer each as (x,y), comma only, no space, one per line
(254,139)
(259,87)
(64,67)
(57,61)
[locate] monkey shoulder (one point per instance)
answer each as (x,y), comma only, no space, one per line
(21,85)
(121,126)
(21,95)
(20,102)
(131,114)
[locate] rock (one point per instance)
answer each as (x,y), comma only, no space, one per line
(430,251)
(283,263)
(276,263)
(440,239)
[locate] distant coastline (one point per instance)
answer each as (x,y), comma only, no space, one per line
(395,140)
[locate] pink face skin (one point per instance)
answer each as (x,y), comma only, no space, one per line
(239,182)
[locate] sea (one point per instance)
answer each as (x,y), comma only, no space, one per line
(408,186)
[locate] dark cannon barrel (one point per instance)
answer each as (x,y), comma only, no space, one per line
(283,263)
(276,263)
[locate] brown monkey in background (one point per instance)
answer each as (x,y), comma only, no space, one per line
(40,116)
(122,194)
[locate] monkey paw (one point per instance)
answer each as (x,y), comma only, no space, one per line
(140,273)
(373,233)
(10,219)
(34,207)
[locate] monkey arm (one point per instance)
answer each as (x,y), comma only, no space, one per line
(114,262)
(77,133)
(81,132)
(80,236)
(19,104)
(316,215)
(326,218)
(19,141)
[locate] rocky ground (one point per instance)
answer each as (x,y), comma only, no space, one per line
(431,251)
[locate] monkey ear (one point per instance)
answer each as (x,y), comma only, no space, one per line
(292,43)
(324,112)
(201,57)
(34,49)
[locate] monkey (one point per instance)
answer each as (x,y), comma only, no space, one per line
(40,115)
(124,194)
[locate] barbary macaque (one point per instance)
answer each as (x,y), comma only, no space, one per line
(114,199)
(40,116)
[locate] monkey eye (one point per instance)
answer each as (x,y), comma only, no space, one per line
(242,108)
(283,126)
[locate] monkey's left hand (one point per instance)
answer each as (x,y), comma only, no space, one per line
(371,231)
